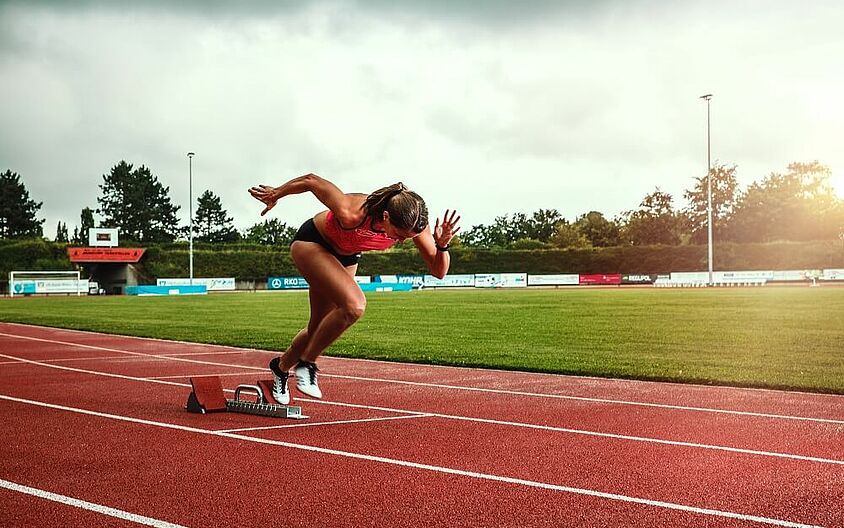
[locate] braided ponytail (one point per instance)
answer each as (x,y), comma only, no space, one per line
(406,208)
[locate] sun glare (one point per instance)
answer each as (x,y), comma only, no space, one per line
(837,182)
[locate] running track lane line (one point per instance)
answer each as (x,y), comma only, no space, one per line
(478,420)
(85,505)
(443,386)
(427,467)
(362,420)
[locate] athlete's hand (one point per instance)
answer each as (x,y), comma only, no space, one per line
(445,231)
(265,194)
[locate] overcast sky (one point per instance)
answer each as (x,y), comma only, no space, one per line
(489,107)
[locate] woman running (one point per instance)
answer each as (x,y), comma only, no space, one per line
(326,250)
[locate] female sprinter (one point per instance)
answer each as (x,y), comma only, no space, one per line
(326,250)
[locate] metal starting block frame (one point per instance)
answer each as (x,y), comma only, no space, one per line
(207,397)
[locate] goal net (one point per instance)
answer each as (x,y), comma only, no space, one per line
(46,282)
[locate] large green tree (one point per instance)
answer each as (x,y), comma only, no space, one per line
(507,230)
(211,222)
(61,232)
(569,236)
(271,233)
(17,210)
(86,219)
(724,196)
(598,230)
(135,202)
(654,222)
(798,205)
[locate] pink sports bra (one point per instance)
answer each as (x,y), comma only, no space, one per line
(356,239)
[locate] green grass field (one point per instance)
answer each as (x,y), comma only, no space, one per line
(790,337)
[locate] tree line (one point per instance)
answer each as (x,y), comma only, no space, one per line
(797,205)
(134,201)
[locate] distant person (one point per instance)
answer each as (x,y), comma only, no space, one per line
(326,250)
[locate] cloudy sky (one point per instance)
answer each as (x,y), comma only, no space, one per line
(491,107)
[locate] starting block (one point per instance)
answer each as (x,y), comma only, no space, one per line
(207,397)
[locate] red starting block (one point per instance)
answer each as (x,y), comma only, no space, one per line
(207,397)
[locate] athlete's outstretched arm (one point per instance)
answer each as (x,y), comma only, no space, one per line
(326,192)
(433,245)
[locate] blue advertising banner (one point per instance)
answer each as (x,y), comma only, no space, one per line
(287,283)
(386,286)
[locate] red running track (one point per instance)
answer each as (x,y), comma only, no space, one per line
(95,433)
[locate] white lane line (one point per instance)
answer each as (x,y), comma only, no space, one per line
(592,400)
(464,388)
(426,467)
(85,505)
(187,376)
(477,420)
(65,360)
(599,434)
(336,422)
(124,358)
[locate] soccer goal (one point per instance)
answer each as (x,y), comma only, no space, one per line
(46,283)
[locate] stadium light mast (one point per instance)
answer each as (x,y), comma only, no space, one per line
(190,212)
(707,98)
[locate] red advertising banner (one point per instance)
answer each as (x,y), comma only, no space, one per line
(601,279)
(97,254)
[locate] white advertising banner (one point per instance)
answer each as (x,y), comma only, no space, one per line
(218,284)
(500,280)
(450,281)
(487,280)
(51,286)
(833,274)
(791,276)
(514,280)
(554,280)
(689,277)
(738,276)
(363,279)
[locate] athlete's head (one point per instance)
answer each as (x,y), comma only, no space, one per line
(398,208)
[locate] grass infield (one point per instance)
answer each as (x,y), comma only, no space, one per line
(787,338)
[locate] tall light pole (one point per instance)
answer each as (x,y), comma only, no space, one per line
(190,212)
(707,98)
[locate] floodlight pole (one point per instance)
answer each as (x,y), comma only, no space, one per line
(707,98)
(190,212)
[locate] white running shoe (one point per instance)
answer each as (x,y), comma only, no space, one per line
(280,392)
(306,379)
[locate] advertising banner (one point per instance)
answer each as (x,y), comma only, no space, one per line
(487,280)
(416,281)
(145,291)
(833,274)
(638,279)
(386,286)
(514,280)
(791,276)
(721,277)
(450,281)
(690,277)
(600,279)
(739,276)
(105,254)
(571,279)
(51,286)
(287,283)
(217,284)
(363,279)
(500,280)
